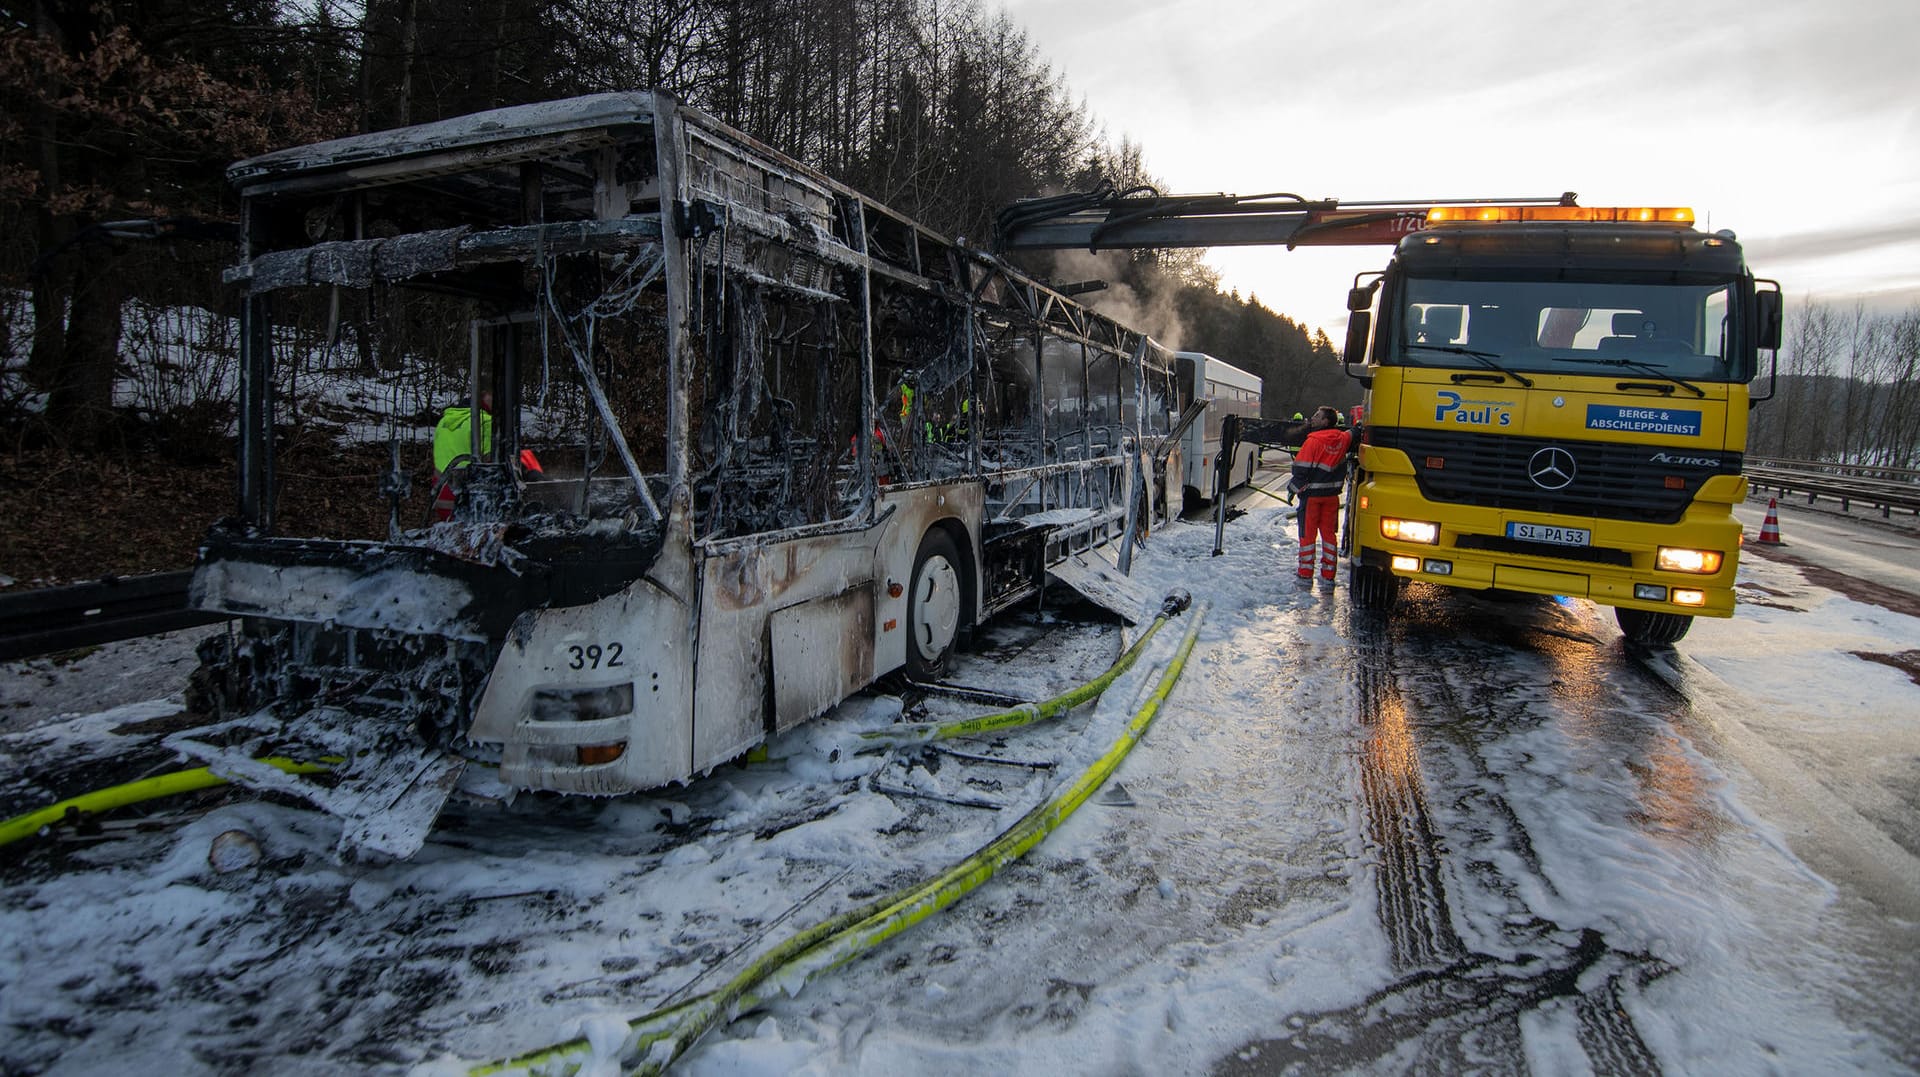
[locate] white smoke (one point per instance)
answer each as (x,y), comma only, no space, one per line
(1151,313)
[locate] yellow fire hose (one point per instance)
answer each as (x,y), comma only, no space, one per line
(820,948)
(656,1039)
(119,796)
(923,732)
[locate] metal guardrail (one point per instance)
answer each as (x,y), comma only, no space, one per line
(1886,489)
(86,614)
(1829,467)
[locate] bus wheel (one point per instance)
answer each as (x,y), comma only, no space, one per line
(1373,588)
(1645,626)
(933,607)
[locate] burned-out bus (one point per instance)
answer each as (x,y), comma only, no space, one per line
(788,441)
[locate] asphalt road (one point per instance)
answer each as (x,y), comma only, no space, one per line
(1861,545)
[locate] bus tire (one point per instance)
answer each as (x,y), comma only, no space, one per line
(934,604)
(1650,627)
(1373,589)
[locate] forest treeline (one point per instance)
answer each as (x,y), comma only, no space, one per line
(1848,390)
(942,109)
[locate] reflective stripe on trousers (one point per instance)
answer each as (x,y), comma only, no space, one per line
(1319,520)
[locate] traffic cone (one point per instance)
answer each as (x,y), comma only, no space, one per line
(1770,528)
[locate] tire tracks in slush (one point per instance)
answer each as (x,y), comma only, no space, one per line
(1454,1008)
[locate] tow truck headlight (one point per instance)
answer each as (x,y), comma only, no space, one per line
(1410,530)
(1677,559)
(1683,597)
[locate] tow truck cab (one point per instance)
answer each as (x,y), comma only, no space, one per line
(1557,404)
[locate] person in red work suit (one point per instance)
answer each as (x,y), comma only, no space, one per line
(1319,471)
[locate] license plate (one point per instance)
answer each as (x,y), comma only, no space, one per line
(1558,536)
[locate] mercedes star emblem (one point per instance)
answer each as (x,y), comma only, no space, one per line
(1551,468)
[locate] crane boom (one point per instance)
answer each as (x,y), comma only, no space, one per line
(1105,220)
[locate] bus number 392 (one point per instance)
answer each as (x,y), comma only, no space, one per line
(594,656)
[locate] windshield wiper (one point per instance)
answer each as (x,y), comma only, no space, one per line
(1485,359)
(1644,368)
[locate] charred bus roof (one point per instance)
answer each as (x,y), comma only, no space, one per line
(500,136)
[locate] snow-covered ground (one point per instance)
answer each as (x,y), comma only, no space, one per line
(1486,837)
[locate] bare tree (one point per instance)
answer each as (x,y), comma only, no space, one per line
(1850,391)
(1897,442)
(129,119)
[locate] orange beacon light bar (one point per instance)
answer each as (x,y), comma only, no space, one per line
(1601,214)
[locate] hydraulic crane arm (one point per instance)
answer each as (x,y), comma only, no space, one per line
(1105,219)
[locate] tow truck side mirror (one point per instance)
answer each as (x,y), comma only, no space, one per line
(1359,325)
(1768,305)
(1768,312)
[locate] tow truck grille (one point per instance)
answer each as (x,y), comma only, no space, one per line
(1610,481)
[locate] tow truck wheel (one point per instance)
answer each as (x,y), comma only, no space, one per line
(1648,627)
(933,607)
(1373,589)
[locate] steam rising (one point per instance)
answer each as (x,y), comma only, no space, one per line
(1152,313)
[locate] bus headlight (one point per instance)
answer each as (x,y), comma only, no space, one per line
(1410,530)
(1676,559)
(582,704)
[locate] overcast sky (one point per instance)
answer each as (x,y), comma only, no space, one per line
(1796,125)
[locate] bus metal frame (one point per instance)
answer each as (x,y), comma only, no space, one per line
(856,439)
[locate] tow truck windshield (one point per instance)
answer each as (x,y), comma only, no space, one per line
(1644,368)
(1677,332)
(1485,359)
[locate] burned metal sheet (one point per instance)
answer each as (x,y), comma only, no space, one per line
(358,263)
(1101,582)
(387,800)
(822,652)
(395,597)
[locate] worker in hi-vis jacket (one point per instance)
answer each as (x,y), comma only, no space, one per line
(1319,471)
